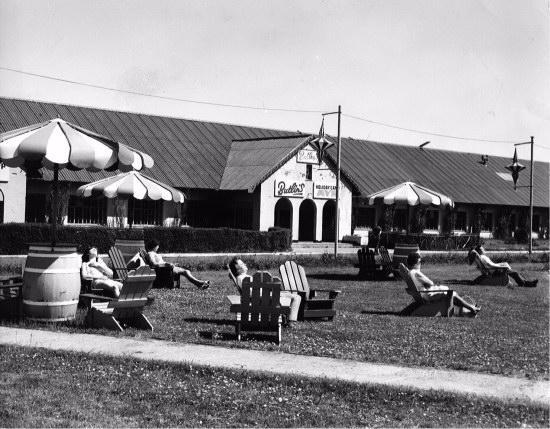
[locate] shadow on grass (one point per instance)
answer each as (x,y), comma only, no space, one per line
(382,313)
(210,321)
(245,336)
(337,277)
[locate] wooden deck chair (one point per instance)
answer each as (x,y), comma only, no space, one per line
(11,298)
(118,262)
(387,263)
(127,310)
(490,276)
(420,306)
(165,274)
(295,280)
(259,308)
(367,264)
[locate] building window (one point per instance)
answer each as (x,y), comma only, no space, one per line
(432,219)
(87,210)
(144,212)
(243,216)
(309,171)
(35,208)
(536,223)
(487,223)
(400,219)
(460,221)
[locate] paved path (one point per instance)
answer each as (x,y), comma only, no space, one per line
(462,382)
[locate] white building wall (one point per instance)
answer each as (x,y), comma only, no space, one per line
(13,184)
(294,173)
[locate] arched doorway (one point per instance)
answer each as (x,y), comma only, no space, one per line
(306,231)
(1,207)
(283,213)
(329,220)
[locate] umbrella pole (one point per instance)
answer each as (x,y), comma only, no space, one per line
(54,203)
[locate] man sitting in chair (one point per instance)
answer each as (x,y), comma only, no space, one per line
(95,270)
(240,271)
(490,264)
(152,248)
(423,283)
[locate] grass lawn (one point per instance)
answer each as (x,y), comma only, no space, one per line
(41,388)
(509,336)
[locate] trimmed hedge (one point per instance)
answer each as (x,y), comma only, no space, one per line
(17,236)
(429,241)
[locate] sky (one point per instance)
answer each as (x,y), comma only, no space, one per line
(474,69)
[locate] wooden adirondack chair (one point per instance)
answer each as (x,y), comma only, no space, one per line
(118,262)
(127,310)
(165,274)
(259,308)
(420,307)
(11,298)
(490,276)
(387,263)
(367,265)
(295,280)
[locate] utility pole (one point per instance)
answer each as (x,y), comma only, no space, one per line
(338,151)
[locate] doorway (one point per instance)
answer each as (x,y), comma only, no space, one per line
(283,214)
(329,220)
(306,228)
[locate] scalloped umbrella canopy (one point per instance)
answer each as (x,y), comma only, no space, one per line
(132,184)
(57,142)
(411,194)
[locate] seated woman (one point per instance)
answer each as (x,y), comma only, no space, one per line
(514,274)
(240,271)
(423,283)
(94,269)
(152,248)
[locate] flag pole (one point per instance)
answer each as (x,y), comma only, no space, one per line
(337,228)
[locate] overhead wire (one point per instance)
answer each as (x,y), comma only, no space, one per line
(260,108)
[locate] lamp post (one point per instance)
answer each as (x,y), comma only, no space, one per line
(338,151)
(515,167)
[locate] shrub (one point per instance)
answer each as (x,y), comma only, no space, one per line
(17,236)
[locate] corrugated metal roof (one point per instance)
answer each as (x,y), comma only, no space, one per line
(375,166)
(205,155)
(252,161)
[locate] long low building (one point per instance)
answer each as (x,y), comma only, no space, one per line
(256,178)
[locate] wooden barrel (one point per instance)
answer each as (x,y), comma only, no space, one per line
(51,282)
(129,248)
(401,252)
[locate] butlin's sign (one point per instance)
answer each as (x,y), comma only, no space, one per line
(293,189)
(307,156)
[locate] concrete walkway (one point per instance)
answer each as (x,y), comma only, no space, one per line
(461,382)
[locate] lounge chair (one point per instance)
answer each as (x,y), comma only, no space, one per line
(295,280)
(165,273)
(258,307)
(420,307)
(490,276)
(387,262)
(11,298)
(127,310)
(119,263)
(368,269)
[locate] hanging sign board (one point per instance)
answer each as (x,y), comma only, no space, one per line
(292,189)
(325,191)
(307,156)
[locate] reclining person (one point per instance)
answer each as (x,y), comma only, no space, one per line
(240,271)
(423,283)
(152,248)
(514,274)
(94,269)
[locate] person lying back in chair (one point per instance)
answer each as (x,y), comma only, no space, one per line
(423,283)
(240,271)
(489,264)
(152,247)
(94,269)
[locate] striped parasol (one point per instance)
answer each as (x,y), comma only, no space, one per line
(60,144)
(411,194)
(132,184)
